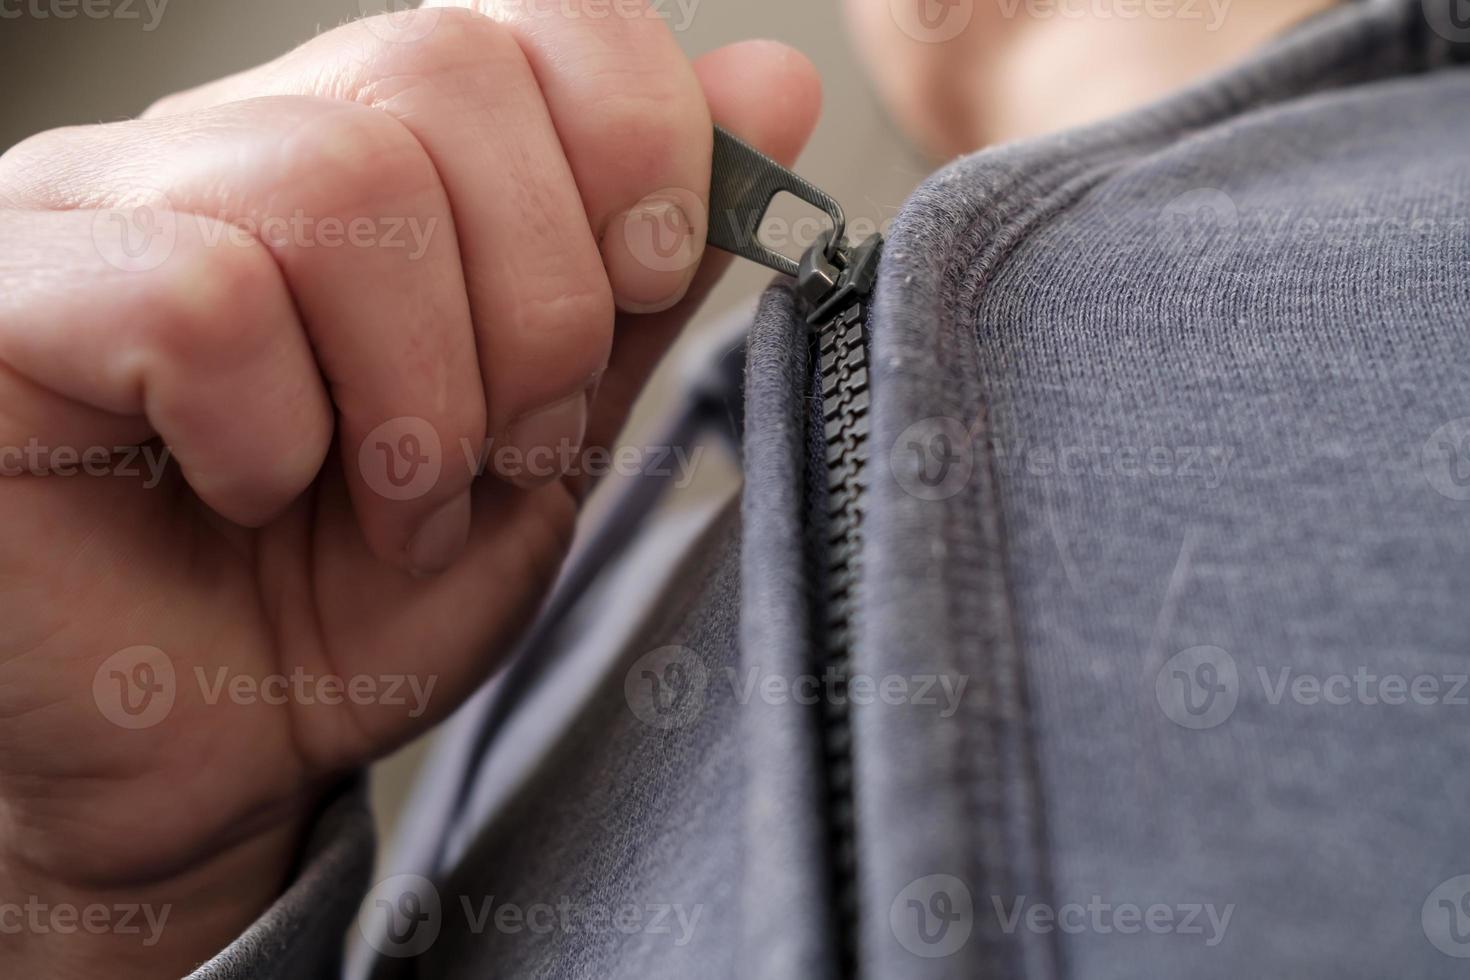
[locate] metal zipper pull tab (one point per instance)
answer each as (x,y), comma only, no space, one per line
(743,183)
(832,274)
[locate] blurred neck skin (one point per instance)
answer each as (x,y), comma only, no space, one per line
(1021,68)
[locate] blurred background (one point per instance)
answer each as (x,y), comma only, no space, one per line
(59,70)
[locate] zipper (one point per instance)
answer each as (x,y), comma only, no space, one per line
(837,289)
(835,279)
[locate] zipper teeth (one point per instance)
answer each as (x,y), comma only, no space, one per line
(843,352)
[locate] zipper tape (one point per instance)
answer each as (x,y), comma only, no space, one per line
(834,278)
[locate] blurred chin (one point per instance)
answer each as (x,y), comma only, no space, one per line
(925,58)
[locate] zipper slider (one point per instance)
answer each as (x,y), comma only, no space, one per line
(833,274)
(833,284)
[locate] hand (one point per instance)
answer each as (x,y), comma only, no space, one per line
(250,346)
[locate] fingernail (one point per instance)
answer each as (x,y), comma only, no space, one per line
(651,251)
(546,441)
(441,538)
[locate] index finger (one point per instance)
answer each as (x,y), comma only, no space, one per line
(636,131)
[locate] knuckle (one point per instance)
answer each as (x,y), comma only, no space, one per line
(28,169)
(167,105)
(350,157)
(576,322)
(450,38)
(215,309)
(647,130)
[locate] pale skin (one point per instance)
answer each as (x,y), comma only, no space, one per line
(1021,68)
(265,364)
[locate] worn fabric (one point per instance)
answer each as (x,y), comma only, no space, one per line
(1200,373)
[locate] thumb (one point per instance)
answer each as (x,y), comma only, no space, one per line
(769,95)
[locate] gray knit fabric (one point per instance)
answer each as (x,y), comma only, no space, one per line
(620,857)
(1185,377)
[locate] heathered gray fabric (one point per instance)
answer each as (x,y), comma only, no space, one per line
(1056,297)
(625,817)
(787,932)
